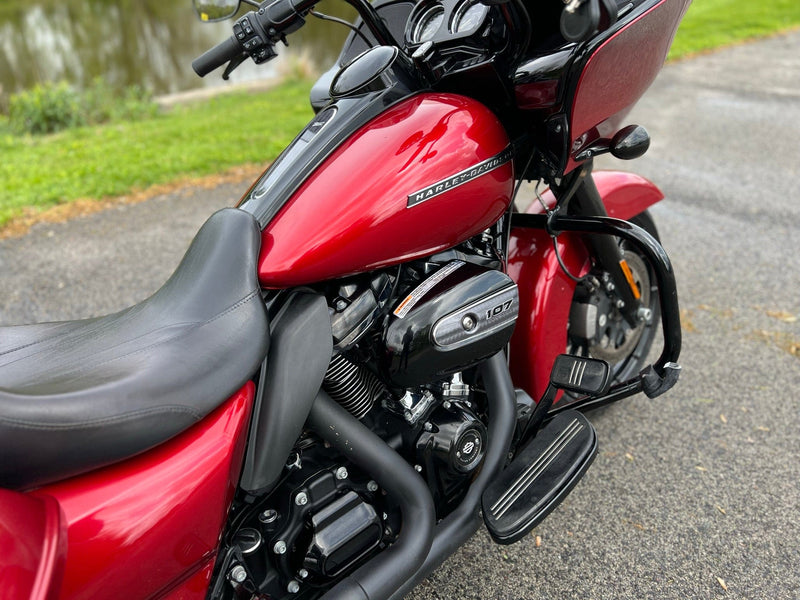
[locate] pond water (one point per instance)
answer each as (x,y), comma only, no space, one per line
(146,42)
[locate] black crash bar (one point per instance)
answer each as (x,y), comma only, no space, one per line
(663,374)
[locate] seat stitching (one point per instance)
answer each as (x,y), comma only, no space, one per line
(83,335)
(23,424)
(192,327)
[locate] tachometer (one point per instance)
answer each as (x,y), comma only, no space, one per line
(428,24)
(468,16)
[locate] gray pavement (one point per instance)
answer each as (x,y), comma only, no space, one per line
(693,495)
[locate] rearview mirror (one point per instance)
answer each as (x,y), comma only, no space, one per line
(215,10)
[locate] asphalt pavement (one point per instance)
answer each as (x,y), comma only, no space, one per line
(693,495)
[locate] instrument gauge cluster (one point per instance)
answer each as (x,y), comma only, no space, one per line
(441,21)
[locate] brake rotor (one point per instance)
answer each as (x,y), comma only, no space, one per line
(614,340)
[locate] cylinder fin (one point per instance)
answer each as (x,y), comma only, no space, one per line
(355,388)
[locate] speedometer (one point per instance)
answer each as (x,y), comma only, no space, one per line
(428,24)
(468,16)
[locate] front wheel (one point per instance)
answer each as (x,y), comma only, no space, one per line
(596,326)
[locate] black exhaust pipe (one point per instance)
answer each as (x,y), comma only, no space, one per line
(459,525)
(379,578)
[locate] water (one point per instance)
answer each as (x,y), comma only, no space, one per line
(146,42)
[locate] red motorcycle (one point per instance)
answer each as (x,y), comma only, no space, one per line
(376,351)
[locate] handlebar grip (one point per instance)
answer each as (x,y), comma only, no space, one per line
(216,56)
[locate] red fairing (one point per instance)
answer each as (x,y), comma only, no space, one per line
(619,72)
(149,527)
(352,214)
(545,292)
(33,546)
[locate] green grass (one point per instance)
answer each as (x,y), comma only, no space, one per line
(711,24)
(235,129)
(111,160)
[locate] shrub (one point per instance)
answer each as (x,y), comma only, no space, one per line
(45,109)
(102,104)
(51,107)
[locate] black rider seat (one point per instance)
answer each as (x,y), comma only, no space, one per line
(78,395)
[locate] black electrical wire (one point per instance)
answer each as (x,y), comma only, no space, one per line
(358,32)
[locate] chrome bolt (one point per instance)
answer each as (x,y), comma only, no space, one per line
(644,314)
(602,320)
(341,473)
(293,587)
(238,574)
(610,287)
(385,516)
(372,486)
(468,323)
(428,427)
(279,547)
(446,404)
(418,468)
(340,305)
(268,516)
(620,304)
(302,573)
(301,499)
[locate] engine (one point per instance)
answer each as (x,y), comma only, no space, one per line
(406,344)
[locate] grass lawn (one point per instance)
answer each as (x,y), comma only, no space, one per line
(239,128)
(111,160)
(710,24)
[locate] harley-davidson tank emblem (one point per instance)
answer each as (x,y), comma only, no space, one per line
(440,187)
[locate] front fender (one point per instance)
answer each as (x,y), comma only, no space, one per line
(546,291)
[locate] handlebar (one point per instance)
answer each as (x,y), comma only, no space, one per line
(217,56)
(256,33)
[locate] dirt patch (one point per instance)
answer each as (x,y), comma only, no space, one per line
(19,226)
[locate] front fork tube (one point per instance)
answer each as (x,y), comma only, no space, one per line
(579,196)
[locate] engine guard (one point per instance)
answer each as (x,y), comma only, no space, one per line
(546,291)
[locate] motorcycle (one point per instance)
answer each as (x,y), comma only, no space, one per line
(380,348)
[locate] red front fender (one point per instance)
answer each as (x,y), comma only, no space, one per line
(545,291)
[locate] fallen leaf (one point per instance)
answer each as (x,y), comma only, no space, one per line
(762,428)
(629,456)
(538,541)
(686,321)
(699,468)
(722,510)
(782,315)
(724,419)
(722,583)
(639,526)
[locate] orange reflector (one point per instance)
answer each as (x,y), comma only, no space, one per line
(629,276)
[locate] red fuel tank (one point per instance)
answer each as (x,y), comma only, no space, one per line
(426,174)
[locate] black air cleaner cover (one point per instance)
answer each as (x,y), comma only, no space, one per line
(456,317)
